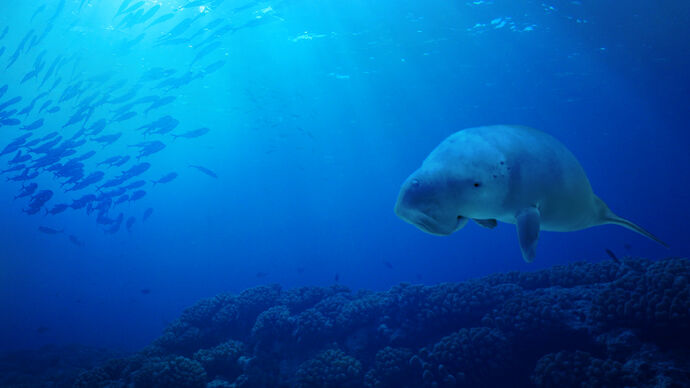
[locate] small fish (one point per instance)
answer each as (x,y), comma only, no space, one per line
(176,83)
(97,127)
(261,275)
(24,176)
(81,184)
(21,139)
(10,122)
(35,125)
(135,185)
(37,11)
(32,210)
(132,8)
(161,126)
(145,291)
(30,75)
(388,264)
(112,183)
(205,170)
(10,102)
(161,19)
(127,96)
(49,136)
(50,70)
(42,329)
(55,84)
(44,106)
(212,68)
(122,7)
(103,218)
(19,49)
(47,146)
(76,118)
(74,240)
(57,209)
(116,225)
(205,51)
(612,255)
(210,26)
(179,29)
(145,100)
(193,134)
(337,277)
(166,178)
(149,14)
(110,160)
(47,230)
(121,161)
(137,195)
(136,170)
(149,148)
(106,140)
(83,201)
(111,194)
(13,168)
(147,213)
(121,199)
(85,156)
(7,114)
(20,158)
(125,116)
(27,190)
(161,102)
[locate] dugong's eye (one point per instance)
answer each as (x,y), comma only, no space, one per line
(415,183)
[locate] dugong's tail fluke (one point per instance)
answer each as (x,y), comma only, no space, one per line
(632,226)
(608,217)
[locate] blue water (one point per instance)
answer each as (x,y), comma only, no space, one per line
(318,114)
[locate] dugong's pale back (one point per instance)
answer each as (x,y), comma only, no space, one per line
(512,174)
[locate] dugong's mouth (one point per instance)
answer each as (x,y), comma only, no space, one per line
(462,221)
(431,226)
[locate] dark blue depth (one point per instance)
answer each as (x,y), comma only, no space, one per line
(155,153)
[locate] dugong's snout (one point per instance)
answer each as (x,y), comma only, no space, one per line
(419,208)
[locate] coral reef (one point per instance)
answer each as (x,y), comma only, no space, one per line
(222,360)
(174,372)
(330,369)
(603,324)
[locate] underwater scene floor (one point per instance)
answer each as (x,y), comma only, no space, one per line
(620,323)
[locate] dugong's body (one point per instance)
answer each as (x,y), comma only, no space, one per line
(512,174)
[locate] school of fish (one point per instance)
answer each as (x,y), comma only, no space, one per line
(103,109)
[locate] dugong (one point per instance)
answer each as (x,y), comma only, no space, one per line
(506,173)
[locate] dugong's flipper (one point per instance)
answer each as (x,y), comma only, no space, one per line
(528,232)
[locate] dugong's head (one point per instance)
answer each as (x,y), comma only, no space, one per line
(459,180)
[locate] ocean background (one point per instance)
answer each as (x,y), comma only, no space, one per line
(317,112)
